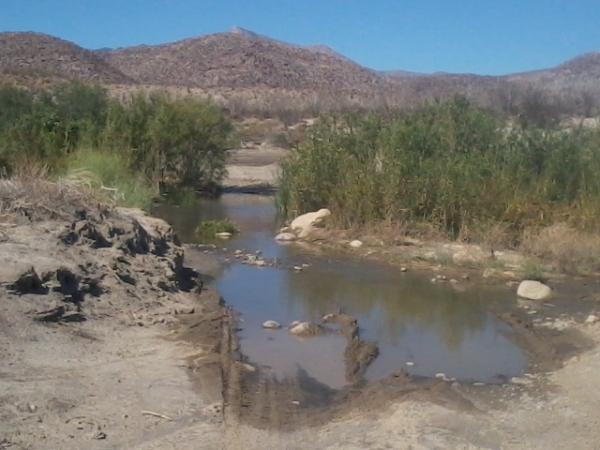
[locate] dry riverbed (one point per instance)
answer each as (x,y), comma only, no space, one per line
(109,340)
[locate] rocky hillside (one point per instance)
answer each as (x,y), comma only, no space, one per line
(242,60)
(250,69)
(40,55)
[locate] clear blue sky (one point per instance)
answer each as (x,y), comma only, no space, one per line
(479,36)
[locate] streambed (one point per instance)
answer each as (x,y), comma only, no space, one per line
(422,327)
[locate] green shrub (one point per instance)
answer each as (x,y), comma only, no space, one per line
(449,164)
(209,228)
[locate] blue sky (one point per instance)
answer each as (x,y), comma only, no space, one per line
(486,37)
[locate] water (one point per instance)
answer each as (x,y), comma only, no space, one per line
(436,327)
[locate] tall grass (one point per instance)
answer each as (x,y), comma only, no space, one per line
(449,164)
(107,174)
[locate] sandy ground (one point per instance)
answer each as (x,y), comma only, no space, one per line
(253,169)
(111,342)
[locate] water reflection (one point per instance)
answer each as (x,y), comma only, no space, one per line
(432,326)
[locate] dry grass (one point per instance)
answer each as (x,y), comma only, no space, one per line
(35,198)
(566,248)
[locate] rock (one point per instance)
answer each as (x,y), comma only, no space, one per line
(271,325)
(293,324)
(592,318)
(223,235)
(356,244)
(403,269)
(533,290)
(303,225)
(298,268)
(305,329)
(260,263)
(409,363)
(285,237)
(238,252)
(29,282)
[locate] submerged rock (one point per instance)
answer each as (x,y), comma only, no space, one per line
(271,325)
(305,329)
(533,290)
(223,235)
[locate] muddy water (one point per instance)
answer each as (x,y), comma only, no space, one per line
(422,327)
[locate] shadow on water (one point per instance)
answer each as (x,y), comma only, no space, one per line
(422,327)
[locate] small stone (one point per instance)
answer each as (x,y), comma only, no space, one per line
(409,363)
(285,237)
(533,290)
(441,375)
(478,383)
(403,269)
(100,435)
(304,265)
(31,407)
(248,367)
(356,244)
(271,325)
(223,235)
(295,402)
(592,318)
(298,268)
(465,277)
(238,252)
(453,280)
(260,263)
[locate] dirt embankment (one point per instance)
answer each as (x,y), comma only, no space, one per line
(93,303)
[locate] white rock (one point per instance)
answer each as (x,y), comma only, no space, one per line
(409,363)
(260,263)
(285,237)
(403,269)
(223,235)
(356,244)
(271,325)
(533,290)
(303,225)
(294,323)
(304,329)
(592,318)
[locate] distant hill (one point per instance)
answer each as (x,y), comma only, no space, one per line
(35,54)
(263,71)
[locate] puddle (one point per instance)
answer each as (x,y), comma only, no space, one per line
(422,327)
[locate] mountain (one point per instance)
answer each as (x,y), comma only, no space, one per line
(241,59)
(36,54)
(246,68)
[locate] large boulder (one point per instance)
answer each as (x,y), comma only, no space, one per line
(303,225)
(533,290)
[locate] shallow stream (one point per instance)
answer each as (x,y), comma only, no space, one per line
(423,327)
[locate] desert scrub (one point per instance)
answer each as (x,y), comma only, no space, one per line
(107,175)
(450,164)
(208,229)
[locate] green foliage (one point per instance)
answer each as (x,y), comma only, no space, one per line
(180,141)
(209,228)
(449,164)
(107,174)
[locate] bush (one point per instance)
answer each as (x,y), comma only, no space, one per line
(209,228)
(449,164)
(119,148)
